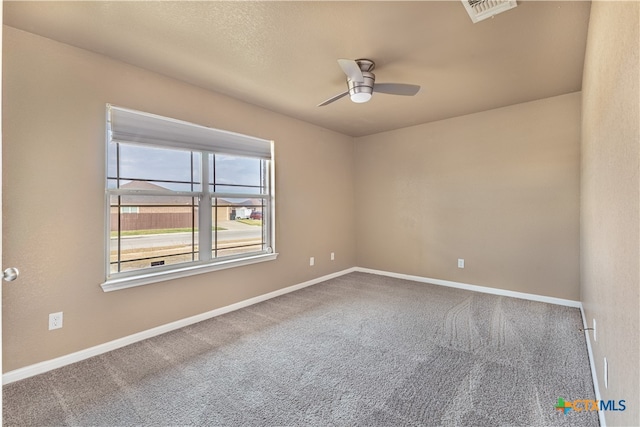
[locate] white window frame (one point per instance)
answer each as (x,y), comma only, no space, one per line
(136,127)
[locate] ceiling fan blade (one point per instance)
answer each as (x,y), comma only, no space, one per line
(351,69)
(396,88)
(333,98)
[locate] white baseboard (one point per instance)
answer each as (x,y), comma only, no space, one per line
(48,365)
(42,367)
(475,288)
(594,374)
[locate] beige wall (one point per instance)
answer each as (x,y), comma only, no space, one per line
(610,216)
(499,189)
(53,176)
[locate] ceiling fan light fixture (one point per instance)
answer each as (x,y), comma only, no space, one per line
(360,92)
(360,97)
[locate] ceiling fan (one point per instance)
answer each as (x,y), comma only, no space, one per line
(361,82)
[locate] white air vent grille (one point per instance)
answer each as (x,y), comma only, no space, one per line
(483,9)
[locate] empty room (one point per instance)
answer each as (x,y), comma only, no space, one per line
(281,213)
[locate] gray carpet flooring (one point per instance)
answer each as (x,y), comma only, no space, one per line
(358,350)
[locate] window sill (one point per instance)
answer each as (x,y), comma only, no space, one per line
(148,278)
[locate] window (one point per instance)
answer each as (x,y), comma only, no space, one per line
(183,199)
(129,209)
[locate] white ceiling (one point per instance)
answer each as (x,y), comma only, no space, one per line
(282,55)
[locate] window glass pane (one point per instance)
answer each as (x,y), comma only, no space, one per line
(150,231)
(236,172)
(238,226)
(237,249)
(169,169)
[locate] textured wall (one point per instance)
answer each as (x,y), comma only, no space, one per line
(498,188)
(53,177)
(610,216)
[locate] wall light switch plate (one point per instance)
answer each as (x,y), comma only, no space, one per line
(312,261)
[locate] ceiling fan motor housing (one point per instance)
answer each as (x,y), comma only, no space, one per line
(362,91)
(366,65)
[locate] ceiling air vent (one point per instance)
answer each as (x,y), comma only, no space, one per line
(483,9)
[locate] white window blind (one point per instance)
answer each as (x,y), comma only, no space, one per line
(130,126)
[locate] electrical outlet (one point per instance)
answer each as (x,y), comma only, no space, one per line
(460,263)
(333,256)
(55,320)
(312,261)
